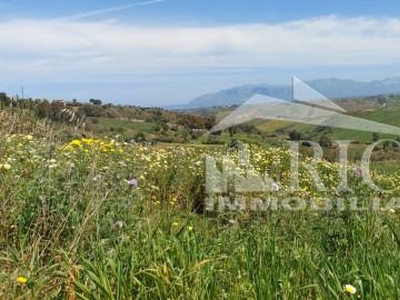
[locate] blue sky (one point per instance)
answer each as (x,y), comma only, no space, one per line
(221,11)
(167,52)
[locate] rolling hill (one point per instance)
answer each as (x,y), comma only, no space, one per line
(331,88)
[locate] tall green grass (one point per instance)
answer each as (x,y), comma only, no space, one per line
(77,235)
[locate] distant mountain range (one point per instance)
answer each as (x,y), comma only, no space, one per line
(331,88)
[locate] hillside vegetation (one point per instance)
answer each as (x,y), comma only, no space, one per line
(99,218)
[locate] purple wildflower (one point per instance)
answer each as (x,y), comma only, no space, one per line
(133,182)
(357,172)
(275,187)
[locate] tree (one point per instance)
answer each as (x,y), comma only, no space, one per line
(375,136)
(233,130)
(4,100)
(44,109)
(92,110)
(294,135)
(95,101)
(209,122)
(325,141)
(191,121)
(249,128)
(3,97)
(140,137)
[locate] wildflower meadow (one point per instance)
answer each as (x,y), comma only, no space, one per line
(99,218)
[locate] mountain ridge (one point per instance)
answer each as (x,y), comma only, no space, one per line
(330,87)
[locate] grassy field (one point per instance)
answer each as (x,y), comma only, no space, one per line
(363,108)
(101,219)
(127,127)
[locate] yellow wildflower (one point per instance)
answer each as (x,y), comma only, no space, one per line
(77,143)
(348,288)
(5,166)
(22,279)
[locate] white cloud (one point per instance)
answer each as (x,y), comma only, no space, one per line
(68,47)
(98,12)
